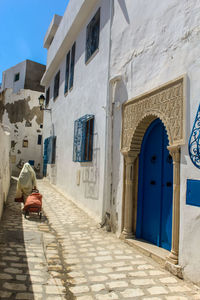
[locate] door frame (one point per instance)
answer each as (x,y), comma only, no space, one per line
(167,102)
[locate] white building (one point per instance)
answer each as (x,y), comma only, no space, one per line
(76,82)
(140,86)
(21,112)
(155,57)
(4,165)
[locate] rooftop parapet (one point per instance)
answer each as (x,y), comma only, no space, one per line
(51,31)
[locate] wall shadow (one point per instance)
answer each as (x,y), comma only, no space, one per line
(124,10)
(24,269)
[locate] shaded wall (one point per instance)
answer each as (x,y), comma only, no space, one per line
(4,165)
(34,73)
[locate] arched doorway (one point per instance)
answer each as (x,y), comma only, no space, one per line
(155,187)
(167,102)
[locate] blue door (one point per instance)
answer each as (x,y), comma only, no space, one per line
(45,157)
(155,188)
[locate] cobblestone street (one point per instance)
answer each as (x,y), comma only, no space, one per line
(67,256)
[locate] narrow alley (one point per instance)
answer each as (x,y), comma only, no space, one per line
(65,255)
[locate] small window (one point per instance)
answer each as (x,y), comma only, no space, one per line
(92,36)
(41,125)
(56,85)
(16,77)
(31,162)
(83,139)
(39,139)
(69,72)
(47,96)
(25,143)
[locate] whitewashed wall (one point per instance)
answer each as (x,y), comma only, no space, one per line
(4,165)
(9,75)
(154,42)
(88,96)
(22,109)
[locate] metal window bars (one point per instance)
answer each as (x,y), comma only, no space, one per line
(83,139)
(194,141)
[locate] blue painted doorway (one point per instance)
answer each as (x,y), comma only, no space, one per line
(155,188)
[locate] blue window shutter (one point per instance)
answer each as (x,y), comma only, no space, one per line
(46,150)
(92,36)
(83,139)
(75,141)
(79,140)
(53,154)
(56,85)
(47,96)
(67,72)
(49,150)
(71,80)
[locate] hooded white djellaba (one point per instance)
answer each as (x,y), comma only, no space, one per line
(26,181)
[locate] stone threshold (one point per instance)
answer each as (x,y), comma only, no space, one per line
(156,253)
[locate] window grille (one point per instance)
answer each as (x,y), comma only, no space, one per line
(56,85)
(83,139)
(92,36)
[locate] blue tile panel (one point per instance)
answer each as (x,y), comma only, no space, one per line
(193,192)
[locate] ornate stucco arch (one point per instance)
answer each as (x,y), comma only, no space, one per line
(167,103)
(141,128)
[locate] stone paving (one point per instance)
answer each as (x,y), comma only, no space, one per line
(67,256)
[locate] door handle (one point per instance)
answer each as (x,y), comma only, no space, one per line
(168,183)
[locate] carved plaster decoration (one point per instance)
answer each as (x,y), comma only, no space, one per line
(167,102)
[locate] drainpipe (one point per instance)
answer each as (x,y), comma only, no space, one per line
(113,84)
(107,183)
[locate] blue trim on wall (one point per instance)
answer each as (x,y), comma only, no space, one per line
(193,192)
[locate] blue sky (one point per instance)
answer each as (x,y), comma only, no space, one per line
(23,25)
